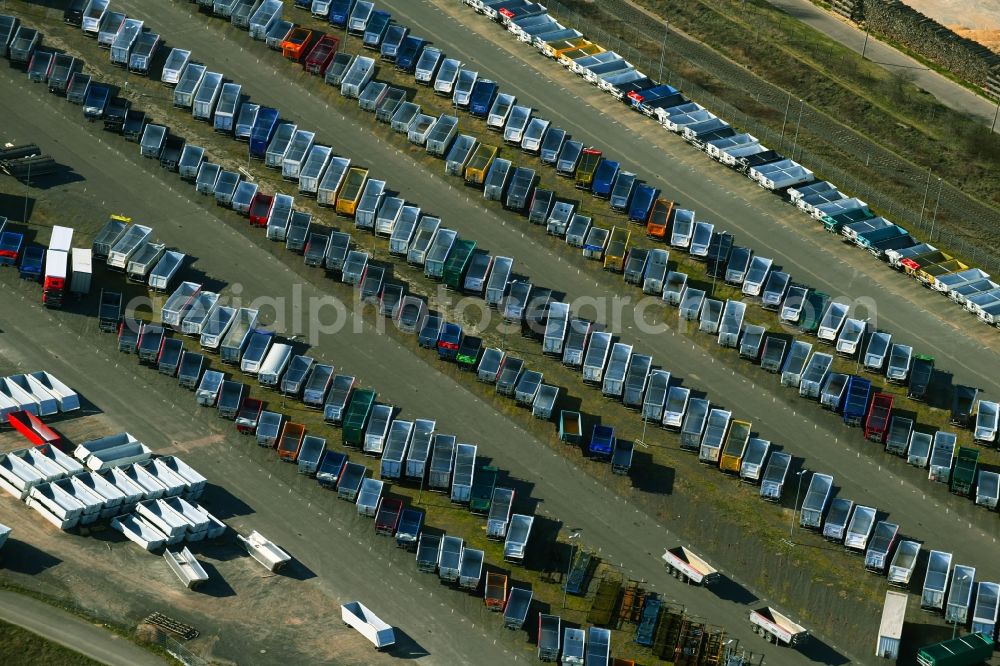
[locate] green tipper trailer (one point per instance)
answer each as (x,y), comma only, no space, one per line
(964,474)
(356,418)
(812,311)
(585,172)
(483,485)
(458,263)
(961,651)
(837,222)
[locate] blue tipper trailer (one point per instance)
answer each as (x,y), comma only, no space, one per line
(31,262)
(602,441)
(856,400)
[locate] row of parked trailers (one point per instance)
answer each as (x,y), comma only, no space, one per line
(839,212)
(738,265)
(749,272)
(716,424)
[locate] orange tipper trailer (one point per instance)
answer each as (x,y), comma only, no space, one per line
(659,219)
(295,44)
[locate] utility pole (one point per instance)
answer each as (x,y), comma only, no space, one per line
(785,119)
(865,47)
(927,187)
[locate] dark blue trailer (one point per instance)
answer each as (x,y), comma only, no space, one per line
(10,247)
(647,622)
(375,31)
(330,468)
(856,400)
(96,101)
(642,203)
(604,178)
(408,530)
(31,262)
(263,131)
(448,341)
(482,96)
(649,107)
(409,52)
(637,97)
(602,442)
(340,11)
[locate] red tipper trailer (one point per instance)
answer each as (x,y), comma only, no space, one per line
(33,429)
(877,422)
(260,209)
(387,518)
(246,420)
(496,591)
(290,441)
(322,55)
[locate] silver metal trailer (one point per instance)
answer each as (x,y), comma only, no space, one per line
(266,15)
(877,350)
(190,162)
(206,96)
(465,467)
(773,482)
(443,132)
(337,248)
(121,46)
(919,450)
(897,370)
(898,437)
(372,95)
(461,150)
(313,169)
(716,427)
(357,75)
(388,214)
(691,304)
(711,314)
(597,357)
(694,423)
(336,399)
(442,463)
(613,384)
(882,541)
(404,230)
(370,201)
(753,338)
(559,221)
(225,187)
(860,528)
(814,375)
(984,617)
(447,75)
(851,334)
(188,85)
(675,408)
(329,186)
(837,518)
(731,324)
(437,253)
(497,179)
(656,396)
(815,501)
(904,562)
(795,362)
(988,489)
(960,596)
(275,155)
(753,459)
(942,456)
(378,429)
(299,146)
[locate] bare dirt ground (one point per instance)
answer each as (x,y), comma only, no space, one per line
(978,20)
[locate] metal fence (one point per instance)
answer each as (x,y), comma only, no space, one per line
(663,48)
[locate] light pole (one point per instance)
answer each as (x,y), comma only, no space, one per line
(861,347)
(576,532)
(663,48)
(797,126)
(930,236)
(791,528)
(865,47)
